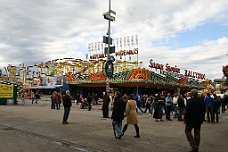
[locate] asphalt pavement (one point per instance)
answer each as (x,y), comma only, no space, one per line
(38,128)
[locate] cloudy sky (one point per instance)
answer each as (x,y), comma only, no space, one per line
(191,34)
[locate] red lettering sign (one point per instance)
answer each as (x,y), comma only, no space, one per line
(172,69)
(156,65)
(194,74)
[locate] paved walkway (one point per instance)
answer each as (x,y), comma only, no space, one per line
(37,127)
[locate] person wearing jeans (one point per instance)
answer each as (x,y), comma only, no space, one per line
(118,114)
(209,102)
(168,103)
(138,101)
(67,105)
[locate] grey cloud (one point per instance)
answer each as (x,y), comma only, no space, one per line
(35,31)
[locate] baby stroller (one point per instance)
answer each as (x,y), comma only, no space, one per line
(83,105)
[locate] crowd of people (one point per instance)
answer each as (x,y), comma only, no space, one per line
(25,95)
(191,108)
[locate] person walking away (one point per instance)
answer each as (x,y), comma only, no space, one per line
(181,107)
(168,103)
(193,118)
(159,101)
(209,102)
(131,115)
(148,104)
(175,98)
(138,100)
(118,114)
(89,101)
(37,97)
(105,105)
(216,110)
(32,96)
(67,105)
(143,101)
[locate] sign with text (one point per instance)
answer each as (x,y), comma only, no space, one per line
(6,91)
(175,71)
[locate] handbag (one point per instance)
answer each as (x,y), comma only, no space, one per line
(183,111)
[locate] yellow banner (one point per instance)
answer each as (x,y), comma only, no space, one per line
(6,91)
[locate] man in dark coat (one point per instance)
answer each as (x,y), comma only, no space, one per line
(89,101)
(67,105)
(193,118)
(105,108)
(118,114)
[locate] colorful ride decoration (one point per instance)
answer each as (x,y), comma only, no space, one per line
(97,76)
(225,70)
(88,73)
(132,78)
(208,87)
(139,74)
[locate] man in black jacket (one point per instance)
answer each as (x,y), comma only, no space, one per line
(89,101)
(67,104)
(105,105)
(118,114)
(194,116)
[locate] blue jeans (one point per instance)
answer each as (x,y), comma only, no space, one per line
(55,104)
(175,111)
(32,100)
(118,127)
(23,101)
(66,114)
(152,108)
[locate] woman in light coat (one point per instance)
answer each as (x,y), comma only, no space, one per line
(131,115)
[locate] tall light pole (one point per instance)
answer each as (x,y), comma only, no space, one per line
(108,66)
